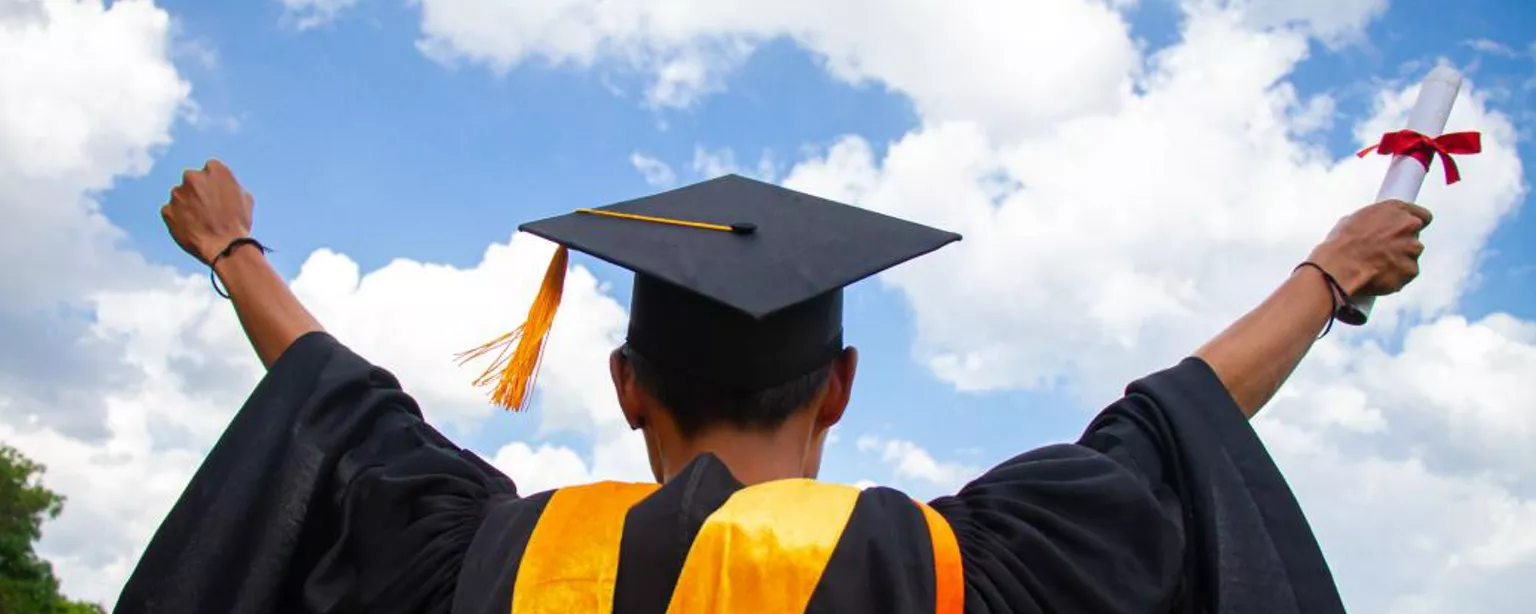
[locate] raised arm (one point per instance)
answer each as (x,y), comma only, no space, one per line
(1170,491)
(207,212)
(1373,252)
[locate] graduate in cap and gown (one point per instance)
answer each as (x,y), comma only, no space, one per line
(330,493)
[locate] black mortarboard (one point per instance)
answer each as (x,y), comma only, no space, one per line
(738,283)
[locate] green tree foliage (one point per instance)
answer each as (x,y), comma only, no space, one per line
(27,583)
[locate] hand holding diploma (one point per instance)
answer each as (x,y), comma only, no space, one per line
(1412,151)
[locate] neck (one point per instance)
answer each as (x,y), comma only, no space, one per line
(752,457)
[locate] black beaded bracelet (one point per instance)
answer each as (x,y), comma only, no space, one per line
(213,276)
(1336,293)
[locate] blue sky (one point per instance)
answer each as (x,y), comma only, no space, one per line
(353,140)
(399,137)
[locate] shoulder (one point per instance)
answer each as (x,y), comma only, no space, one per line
(1191,386)
(1041,531)
(311,349)
(319,363)
(1048,473)
(1053,492)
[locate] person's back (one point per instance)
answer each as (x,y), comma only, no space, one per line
(704,542)
(329,493)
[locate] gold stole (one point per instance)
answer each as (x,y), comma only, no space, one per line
(572,558)
(764,550)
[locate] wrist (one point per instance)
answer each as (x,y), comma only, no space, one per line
(1350,275)
(210,249)
(1316,280)
(243,254)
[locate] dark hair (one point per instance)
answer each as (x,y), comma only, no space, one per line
(696,406)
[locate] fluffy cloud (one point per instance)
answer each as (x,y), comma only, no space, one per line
(414,316)
(1404,538)
(89,95)
(617,455)
(945,56)
(1015,67)
(1334,22)
(910,463)
(657,173)
(1414,465)
(1482,422)
(1115,243)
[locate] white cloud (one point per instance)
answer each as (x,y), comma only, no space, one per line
(90,98)
(1334,22)
(1112,245)
(656,173)
(414,316)
(1316,115)
(684,76)
(1429,510)
(86,95)
(306,14)
(1015,67)
(618,455)
(199,51)
(983,61)
(1492,47)
(541,469)
(910,462)
(1403,538)
(708,164)
(1456,395)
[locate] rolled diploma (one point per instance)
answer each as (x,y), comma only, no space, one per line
(1405,175)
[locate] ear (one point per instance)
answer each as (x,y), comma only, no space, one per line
(834,401)
(628,390)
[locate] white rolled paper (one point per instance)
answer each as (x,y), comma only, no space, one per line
(1405,175)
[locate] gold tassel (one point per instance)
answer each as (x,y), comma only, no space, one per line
(515,373)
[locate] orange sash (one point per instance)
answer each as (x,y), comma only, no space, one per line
(764,550)
(572,558)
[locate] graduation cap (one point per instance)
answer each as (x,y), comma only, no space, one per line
(738,283)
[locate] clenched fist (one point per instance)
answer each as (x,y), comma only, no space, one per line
(1375,251)
(208,211)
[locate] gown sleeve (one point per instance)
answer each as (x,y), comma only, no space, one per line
(1168,503)
(327,493)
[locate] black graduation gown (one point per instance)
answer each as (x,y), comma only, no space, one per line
(328,493)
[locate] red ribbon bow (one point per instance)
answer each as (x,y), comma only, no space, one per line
(1422,148)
